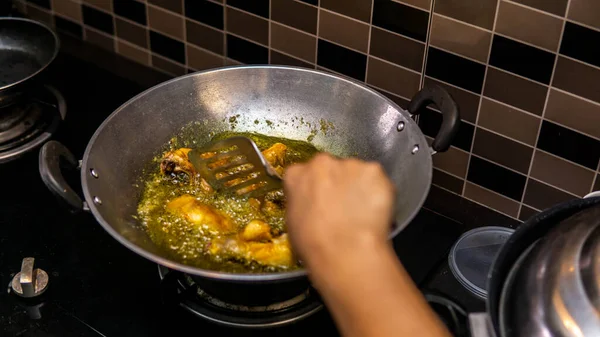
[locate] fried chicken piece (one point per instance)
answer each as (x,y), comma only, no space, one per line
(177,161)
(275,155)
(200,214)
(255,243)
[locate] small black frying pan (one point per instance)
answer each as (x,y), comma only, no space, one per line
(26,48)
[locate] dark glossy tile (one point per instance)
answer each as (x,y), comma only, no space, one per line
(131,9)
(522,59)
(577,78)
(542,196)
(132,33)
(204,11)
(569,144)
(468,102)
(246,51)
(401,19)
(393,78)
(397,49)
(557,7)
(358,9)
(479,13)
(204,37)
(470,214)
(133,53)
(585,11)
(515,91)
(526,213)
(258,7)
(342,60)
(293,42)
(581,43)
(455,70)
(512,154)
(100,40)
(167,66)
(167,47)
(561,173)
(172,5)
(200,59)
(248,26)
(491,199)
(102,4)
(40,15)
(345,31)
(573,112)
(430,121)
(68,27)
(295,14)
(447,181)
(97,19)
(41,3)
(312,2)
(279,58)
(507,121)
(496,178)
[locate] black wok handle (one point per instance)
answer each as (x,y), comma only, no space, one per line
(450,113)
(52,155)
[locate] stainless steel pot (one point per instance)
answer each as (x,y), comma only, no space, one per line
(341,116)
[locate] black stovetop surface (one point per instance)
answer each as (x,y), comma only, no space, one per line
(97,286)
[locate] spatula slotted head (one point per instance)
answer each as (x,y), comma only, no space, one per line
(235,165)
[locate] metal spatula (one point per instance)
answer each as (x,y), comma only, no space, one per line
(235,165)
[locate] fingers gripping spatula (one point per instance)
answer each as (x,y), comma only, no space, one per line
(235,165)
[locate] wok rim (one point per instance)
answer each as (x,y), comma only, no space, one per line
(228,276)
(42,67)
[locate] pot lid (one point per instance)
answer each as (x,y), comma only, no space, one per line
(472,255)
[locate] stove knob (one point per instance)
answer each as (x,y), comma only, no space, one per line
(29,282)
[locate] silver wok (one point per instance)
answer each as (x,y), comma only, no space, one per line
(341,116)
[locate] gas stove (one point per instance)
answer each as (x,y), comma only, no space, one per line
(93,286)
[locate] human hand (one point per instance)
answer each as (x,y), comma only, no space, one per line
(336,206)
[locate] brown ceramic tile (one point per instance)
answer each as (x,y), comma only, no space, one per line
(542,196)
(168,66)
(295,14)
(424,4)
(392,78)
(453,161)
(279,58)
(248,26)
(67,8)
(230,62)
(103,4)
(502,150)
(528,25)
(508,121)
(585,11)
(165,22)
(467,101)
(347,32)
(573,112)
(133,53)
(480,13)
(597,183)
(491,199)
(132,33)
(460,38)
(526,213)
(200,59)
(515,91)
(40,15)
(447,181)
(557,7)
(204,37)
(397,49)
(172,5)
(293,42)
(20,6)
(587,78)
(358,9)
(100,40)
(561,173)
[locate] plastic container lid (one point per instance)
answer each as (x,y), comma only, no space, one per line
(472,255)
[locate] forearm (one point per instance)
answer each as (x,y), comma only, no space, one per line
(370,294)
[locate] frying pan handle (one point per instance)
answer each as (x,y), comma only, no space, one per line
(52,155)
(450,113)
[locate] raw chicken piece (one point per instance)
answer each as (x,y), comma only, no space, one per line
(200,214)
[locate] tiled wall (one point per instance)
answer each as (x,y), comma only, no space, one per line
(526,73)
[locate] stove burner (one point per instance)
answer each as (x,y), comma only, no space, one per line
(209,307)
(27,124)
